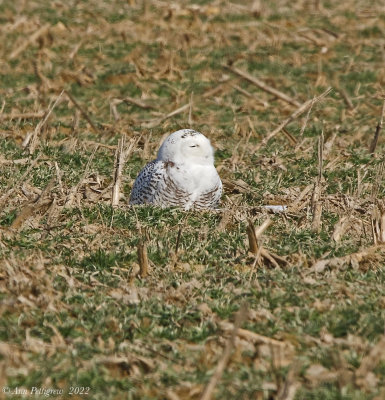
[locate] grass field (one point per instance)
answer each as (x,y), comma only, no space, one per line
(225,311)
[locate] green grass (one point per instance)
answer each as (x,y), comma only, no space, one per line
(74,310)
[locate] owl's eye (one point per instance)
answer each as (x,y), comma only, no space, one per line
(194,145)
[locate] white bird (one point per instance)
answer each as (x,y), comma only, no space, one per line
(183,174)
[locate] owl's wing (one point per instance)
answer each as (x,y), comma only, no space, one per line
(155,185)
(145,184)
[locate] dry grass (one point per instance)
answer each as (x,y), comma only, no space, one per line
(141,303)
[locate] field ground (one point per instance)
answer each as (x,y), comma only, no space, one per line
(302,315)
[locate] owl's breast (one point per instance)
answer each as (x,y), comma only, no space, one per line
(193,178)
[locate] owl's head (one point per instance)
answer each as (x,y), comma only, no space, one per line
(187,145)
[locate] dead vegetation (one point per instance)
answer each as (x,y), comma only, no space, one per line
(242,303)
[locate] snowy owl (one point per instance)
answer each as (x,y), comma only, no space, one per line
(183,174)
